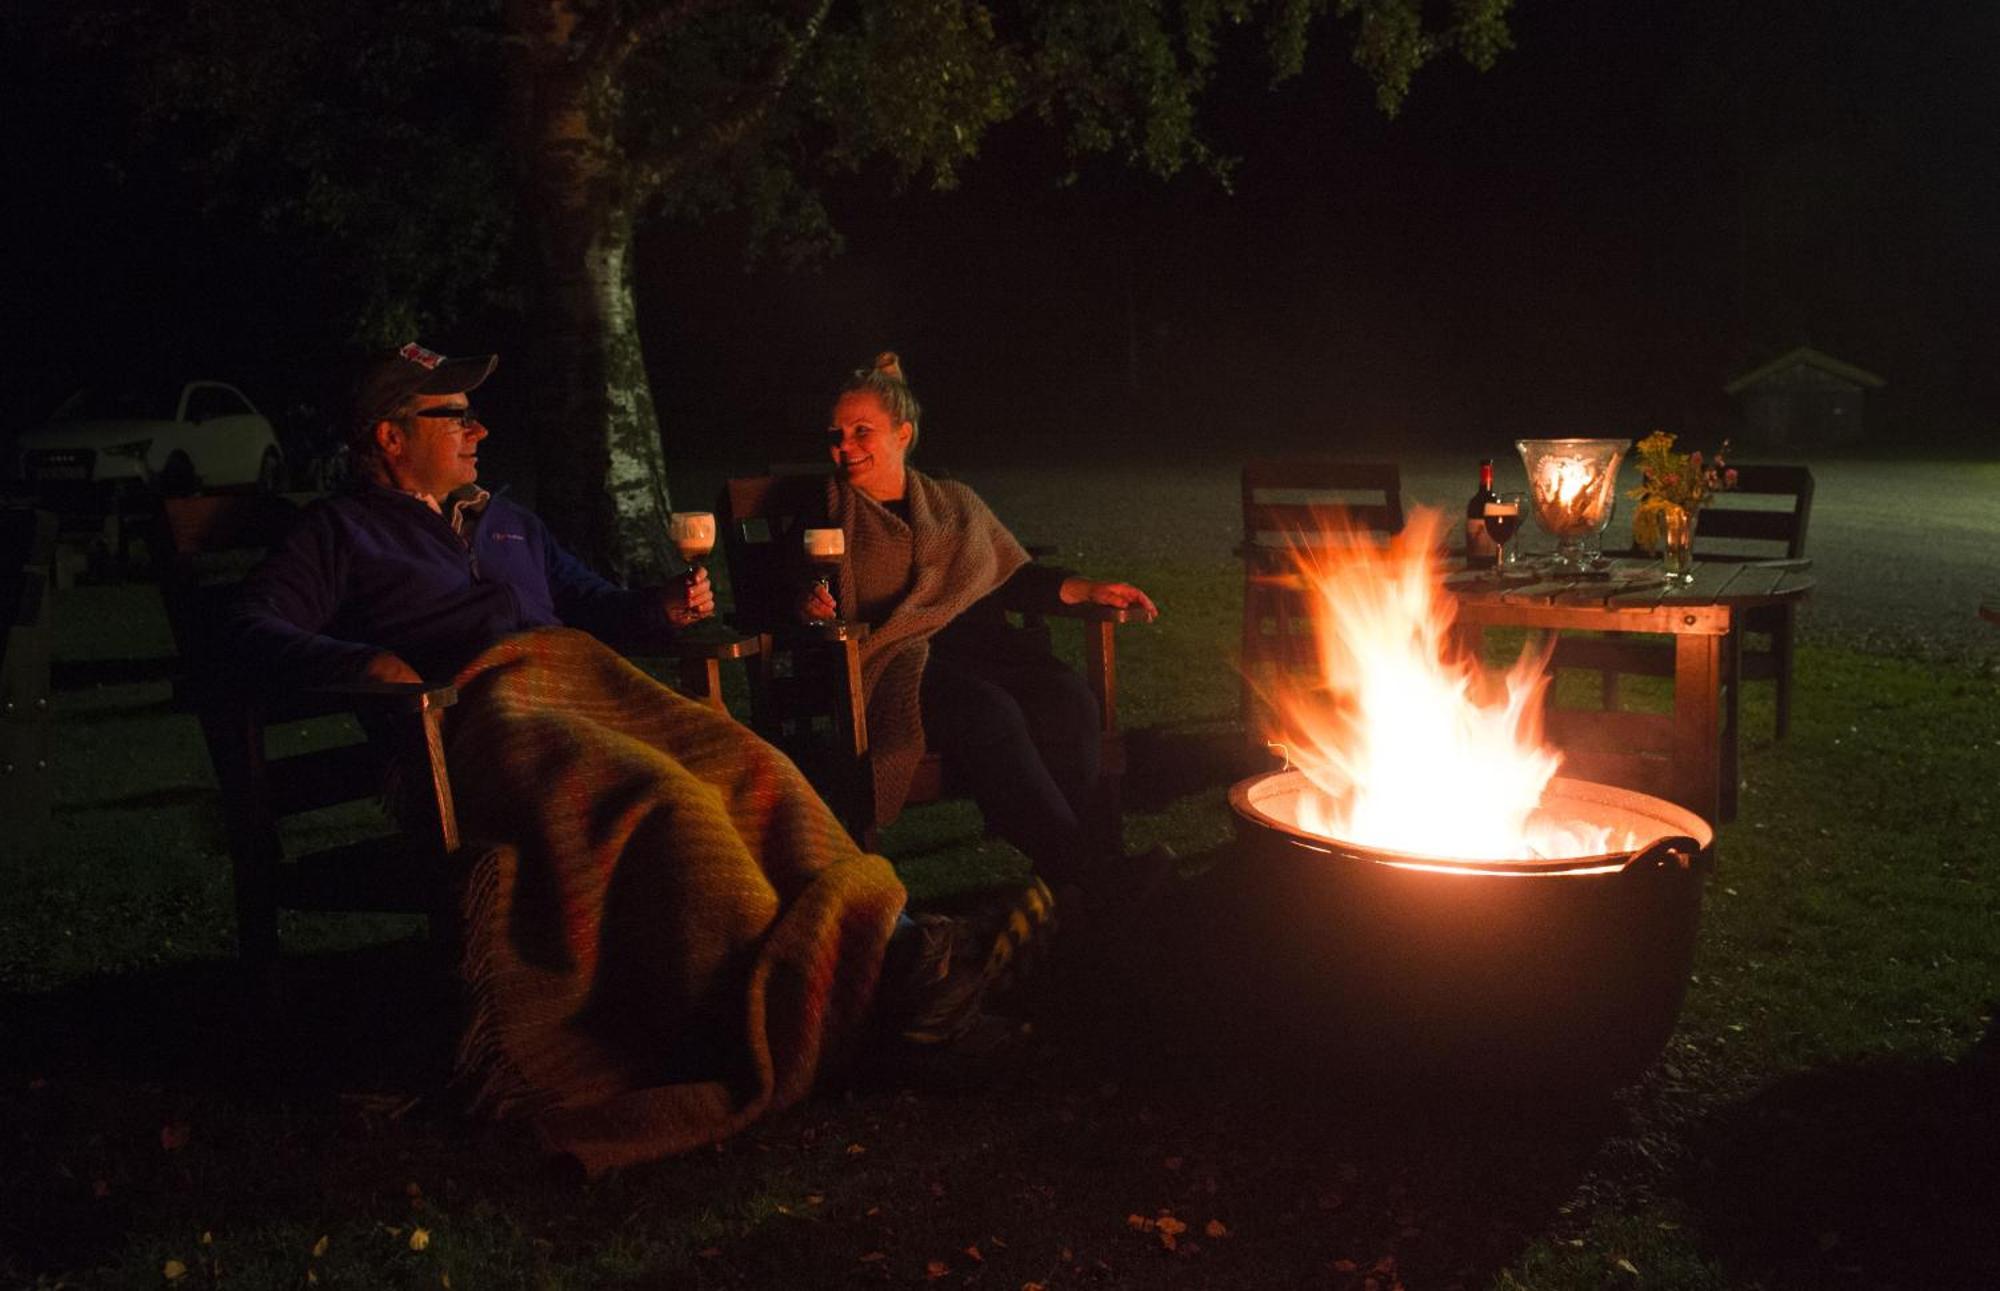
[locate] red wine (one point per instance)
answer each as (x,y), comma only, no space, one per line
(1481,550)
(1501,525)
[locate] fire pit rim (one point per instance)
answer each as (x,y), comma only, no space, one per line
(1697,831)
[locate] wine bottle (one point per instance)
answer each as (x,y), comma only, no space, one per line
(1481,552)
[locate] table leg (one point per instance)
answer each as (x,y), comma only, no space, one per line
(1732,684)
(1697,753)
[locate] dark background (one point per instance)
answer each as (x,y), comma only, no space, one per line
(1640,201)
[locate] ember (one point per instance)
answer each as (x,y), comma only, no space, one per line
(1400,720)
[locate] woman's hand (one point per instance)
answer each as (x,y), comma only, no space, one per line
(817,604)
(1119,596)
(690,599)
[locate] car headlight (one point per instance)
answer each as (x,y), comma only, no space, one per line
(136,448)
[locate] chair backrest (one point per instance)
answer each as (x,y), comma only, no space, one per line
(759,518)
(1281,496)
(1770,505)
(211,542)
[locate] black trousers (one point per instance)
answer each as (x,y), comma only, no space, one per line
(1019,731)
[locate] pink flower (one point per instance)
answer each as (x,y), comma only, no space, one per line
(1729,478)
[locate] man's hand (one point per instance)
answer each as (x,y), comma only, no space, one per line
(1119,596)
(690,599)
(384,666)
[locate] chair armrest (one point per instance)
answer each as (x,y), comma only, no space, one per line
(1089,613)
(719,644)
(388,697)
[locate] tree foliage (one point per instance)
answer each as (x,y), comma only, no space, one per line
(380,131)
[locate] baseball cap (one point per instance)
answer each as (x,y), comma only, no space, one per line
(386,381)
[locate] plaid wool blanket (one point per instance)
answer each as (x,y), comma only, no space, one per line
(669,934)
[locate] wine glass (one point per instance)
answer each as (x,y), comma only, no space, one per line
(825,549)
(1503,524)
(693,536)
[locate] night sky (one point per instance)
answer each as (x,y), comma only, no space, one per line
(1640,201)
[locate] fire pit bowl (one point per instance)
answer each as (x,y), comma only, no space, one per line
(1509,975)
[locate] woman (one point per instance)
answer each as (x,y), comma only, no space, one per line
(933,574)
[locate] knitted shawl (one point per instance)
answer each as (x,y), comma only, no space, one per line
(957,552)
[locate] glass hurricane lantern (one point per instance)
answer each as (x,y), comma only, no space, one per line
(1574,486)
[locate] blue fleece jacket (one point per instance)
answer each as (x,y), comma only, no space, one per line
(373,569)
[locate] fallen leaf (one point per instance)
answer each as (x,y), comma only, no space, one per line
(1137,1223)
(1627,1265)
(208,1239)
(175,1137)
(420,1239)
(1168,1240)
(972,1253)
(319,1247)
(1345,1266)
(1215,1228)
(1034,1286)
(1386,1265)
(855,1149)
(874,1257)
(935,1269)
(312,1278)
(815,1198)
(444,1280)
(709,1252)
(173,1270)
(998,1244)
(1169,1225)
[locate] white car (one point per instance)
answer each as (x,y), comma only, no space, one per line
(98,446)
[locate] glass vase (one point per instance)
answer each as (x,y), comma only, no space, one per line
(1677,543)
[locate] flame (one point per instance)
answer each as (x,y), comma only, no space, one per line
(1412,744)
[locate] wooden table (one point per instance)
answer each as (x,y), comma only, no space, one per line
(1688,756)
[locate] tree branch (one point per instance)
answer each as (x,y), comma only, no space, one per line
(742,112)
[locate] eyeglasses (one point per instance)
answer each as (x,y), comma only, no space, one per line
(465,417)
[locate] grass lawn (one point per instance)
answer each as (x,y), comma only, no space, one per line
(1824,1117)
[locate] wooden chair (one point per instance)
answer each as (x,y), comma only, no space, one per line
(1765,517)
(806,687)
(27,571)
(1283,499)
(275,755)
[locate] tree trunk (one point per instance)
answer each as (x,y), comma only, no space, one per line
(601,474)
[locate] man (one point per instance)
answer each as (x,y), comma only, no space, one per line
(411,573)
(666,933)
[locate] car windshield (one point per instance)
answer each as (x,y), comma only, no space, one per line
(121,404)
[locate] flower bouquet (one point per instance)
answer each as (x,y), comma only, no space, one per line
(1672,488)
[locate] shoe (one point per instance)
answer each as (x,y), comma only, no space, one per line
(933,983)
(1018,927)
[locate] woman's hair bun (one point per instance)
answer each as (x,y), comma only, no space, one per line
(889,365)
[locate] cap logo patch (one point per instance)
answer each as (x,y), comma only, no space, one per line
(423,358)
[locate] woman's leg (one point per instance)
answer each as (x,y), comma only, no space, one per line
(1063,722)
(988,738)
